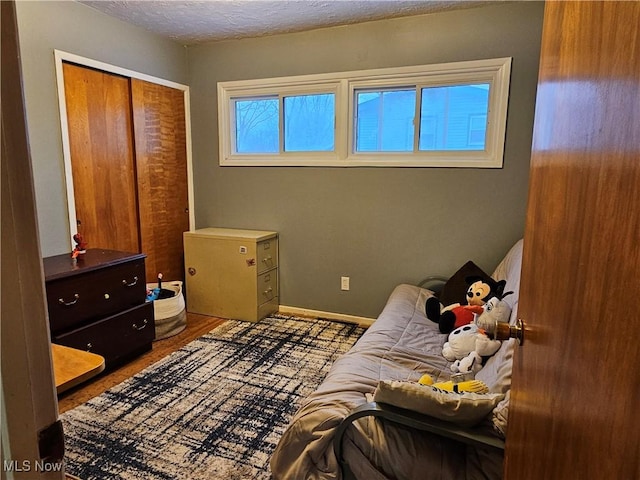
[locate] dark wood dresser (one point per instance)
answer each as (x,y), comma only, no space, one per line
(98,303)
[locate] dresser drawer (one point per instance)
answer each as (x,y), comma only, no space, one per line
(115,337)
(78,299)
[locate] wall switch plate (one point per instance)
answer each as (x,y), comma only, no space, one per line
(344,283)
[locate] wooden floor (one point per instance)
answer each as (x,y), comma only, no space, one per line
(197,325)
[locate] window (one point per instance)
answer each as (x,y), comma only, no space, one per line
(477,130)
(309,123)
(454,108)
(385,120)
(451,115)
(256,125)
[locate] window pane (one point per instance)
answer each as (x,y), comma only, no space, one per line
(257,125)
(309,123)
(477,130)
(454,117)
(384,120)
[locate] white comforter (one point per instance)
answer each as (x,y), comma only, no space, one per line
(401,345)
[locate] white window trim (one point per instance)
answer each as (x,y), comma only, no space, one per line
(281,90)
(497,72)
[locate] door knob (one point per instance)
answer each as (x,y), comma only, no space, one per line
(505,331)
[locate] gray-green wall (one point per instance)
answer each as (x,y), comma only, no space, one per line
(45,26)
(379,226)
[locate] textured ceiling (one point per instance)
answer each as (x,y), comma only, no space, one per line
(191,22)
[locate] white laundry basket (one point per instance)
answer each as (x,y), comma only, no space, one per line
(170,313)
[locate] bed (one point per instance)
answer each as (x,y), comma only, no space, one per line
(340,432)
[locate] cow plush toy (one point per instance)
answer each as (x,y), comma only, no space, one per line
(457,315)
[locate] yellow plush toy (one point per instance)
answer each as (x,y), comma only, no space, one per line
(473,386)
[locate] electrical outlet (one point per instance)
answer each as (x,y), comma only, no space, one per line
(344,283)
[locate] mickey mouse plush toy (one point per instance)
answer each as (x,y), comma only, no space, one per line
(456,315)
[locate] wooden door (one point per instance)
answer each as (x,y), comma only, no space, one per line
(576,385)
(29,405)
(161,162)
(102,157)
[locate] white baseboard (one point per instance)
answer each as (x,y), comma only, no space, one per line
(306,312)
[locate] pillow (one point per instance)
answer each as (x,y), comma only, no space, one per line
(455,289)
(464,409)
(496,373)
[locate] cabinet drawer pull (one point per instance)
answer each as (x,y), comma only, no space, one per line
(267,259)
(144,324)
(62,301)
(89,347)
(268,292)
(126,284)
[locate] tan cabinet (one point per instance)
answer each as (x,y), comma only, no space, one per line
(231,273)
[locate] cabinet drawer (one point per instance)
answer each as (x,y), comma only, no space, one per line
(75,300)
(267,308)
(267,286)
(114,337)
(267,253)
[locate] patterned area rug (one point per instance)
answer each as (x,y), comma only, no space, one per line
(214,409)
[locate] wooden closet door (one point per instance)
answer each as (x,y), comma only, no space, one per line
(102,158)
(161,162)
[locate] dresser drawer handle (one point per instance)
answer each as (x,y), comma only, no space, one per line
(76,297)
(126,284)
(144,324)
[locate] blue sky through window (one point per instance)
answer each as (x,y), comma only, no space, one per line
(309,124)
(257,125)
(451,118)
(454,117)
(385,121)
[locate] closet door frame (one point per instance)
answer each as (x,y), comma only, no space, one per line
(62,56)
